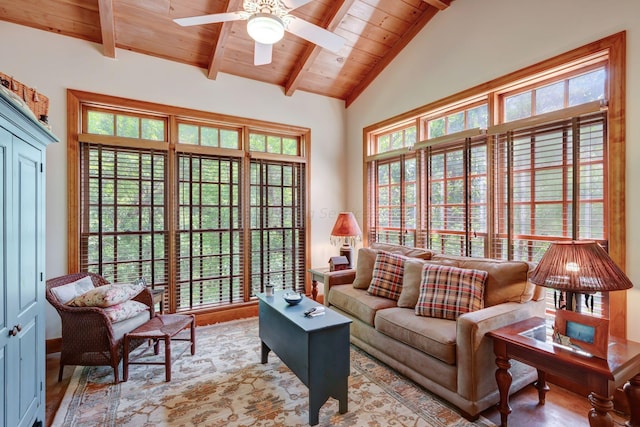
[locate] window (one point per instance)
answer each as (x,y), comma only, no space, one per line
(568,92)
(456,206)
(476,116)
(123,221)
(396,139)
(550,186)
(396,201)
(522,162)
(208,136)
(209,234)
(277,212)
(198,213)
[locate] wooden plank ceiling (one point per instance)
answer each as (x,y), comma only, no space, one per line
(375,30)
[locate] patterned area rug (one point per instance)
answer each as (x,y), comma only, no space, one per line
(225,384)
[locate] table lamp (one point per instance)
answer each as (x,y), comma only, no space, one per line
(576,268)
(347,232)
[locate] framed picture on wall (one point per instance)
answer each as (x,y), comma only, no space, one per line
(586,333)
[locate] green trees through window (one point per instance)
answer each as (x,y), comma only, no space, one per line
(501,192)
(205,217)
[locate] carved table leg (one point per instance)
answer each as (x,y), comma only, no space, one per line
(542,386)
(632,391)
(503,378)
(599,415)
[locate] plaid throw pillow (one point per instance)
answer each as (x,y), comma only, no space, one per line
(447,292)
(387,275)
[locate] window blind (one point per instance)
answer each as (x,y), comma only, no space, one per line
(209,249)
(123,206)
(277,225)
(395,200)
(456,182)
(550,186)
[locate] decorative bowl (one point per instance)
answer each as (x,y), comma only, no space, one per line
(293,298)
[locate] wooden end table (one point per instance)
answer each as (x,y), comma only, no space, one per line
(527,342)
(158,298)
(317,275)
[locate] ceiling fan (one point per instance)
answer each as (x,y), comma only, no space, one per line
(267,20)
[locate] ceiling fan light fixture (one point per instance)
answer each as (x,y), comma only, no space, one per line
(265,28)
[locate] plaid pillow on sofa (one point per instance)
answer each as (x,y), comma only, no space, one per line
(388,271)
(447,292)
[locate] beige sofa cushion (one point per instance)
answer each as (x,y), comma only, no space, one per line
(411,283)
(358,303)
(367,258)
(364,268)
(412,278)
(403,250)
(435,337)
(507,280)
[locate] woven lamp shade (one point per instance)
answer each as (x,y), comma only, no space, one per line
(581,267)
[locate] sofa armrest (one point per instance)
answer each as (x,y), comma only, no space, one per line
(474,351)
(340,277)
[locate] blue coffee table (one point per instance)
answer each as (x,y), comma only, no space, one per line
(316,349)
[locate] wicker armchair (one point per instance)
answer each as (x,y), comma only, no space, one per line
(88,336)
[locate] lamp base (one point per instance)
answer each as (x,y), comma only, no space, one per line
(347,251)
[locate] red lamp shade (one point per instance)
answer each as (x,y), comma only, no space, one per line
(346,226)
(347,232)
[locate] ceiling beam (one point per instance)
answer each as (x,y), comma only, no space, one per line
(220,42)
(418,25)
(107,27)
(439,4)
(330,22)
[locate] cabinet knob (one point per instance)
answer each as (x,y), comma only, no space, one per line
(13,332)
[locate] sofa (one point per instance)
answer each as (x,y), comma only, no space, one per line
(418,330)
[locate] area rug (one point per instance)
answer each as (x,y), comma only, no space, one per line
(225,384)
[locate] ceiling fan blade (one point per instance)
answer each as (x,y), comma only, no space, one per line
(262,53)
(210,19)
(315,34)
(294,4)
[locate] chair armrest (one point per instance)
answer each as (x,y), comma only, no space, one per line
(474,351)
(89,325)
(146,297)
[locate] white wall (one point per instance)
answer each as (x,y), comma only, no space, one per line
(476,41)
(54,63)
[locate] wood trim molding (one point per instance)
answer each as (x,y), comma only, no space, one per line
(73,181)
(616,46)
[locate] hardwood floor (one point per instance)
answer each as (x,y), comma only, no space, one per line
(54,389)
(562,408)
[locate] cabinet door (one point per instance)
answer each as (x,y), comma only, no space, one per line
(25,292)
(5,339)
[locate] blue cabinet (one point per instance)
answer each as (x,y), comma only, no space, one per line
(22,302)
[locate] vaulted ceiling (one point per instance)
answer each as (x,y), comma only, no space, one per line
(375,32)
